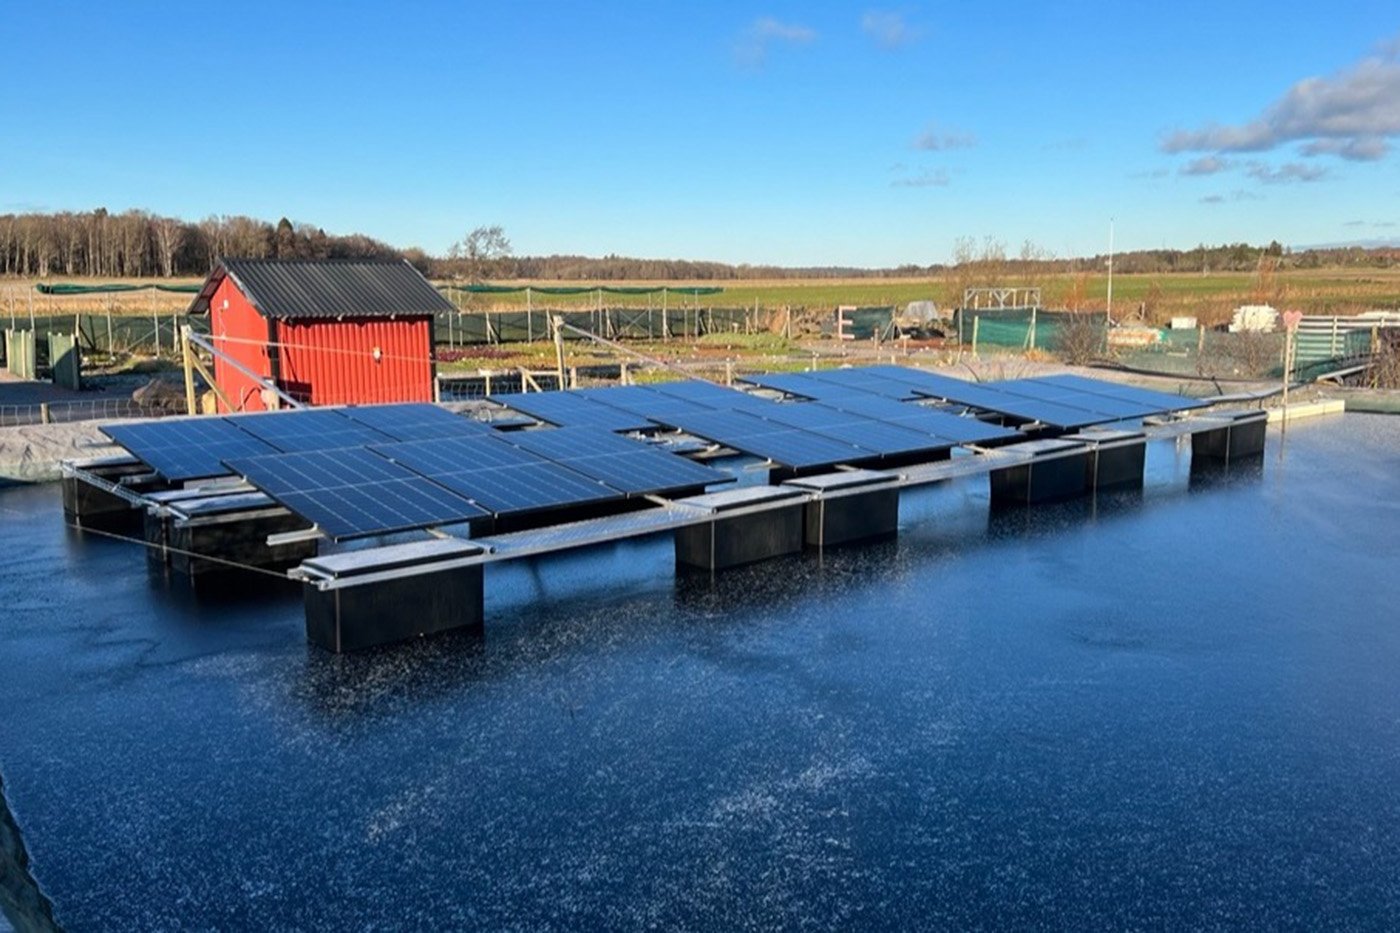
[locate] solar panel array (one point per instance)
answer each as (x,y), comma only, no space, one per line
(386,468)
(181,449)
(570,409)
(500,477)
(354,492)
(1063,402)
(620,463)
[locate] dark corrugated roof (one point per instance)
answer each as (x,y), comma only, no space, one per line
(326,288)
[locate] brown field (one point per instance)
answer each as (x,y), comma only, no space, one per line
(1210,298)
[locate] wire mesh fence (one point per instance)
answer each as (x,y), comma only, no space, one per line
(63,412)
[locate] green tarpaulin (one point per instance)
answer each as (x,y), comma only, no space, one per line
(66,288)
(482,289)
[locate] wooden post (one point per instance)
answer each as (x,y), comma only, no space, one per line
(622,375)
(573,377)
(44,413)
(558,321)
(155,319)
(1030,335)
(976,321)
(487,374)
(729,372)
(190,404)
(529,317)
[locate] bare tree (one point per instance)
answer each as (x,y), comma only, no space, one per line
(482,251)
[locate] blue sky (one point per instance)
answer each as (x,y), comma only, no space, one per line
(790,133)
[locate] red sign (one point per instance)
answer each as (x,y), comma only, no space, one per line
(1291,319)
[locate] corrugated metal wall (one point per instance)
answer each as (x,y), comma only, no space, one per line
(334,362)
(239,331)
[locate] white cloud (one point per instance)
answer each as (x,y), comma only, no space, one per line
(935,140)
(1237,195)
(889,29)
(1285,174)
(1358,149)
(934,179)
(1205,165)
(1349,114)
(751,48)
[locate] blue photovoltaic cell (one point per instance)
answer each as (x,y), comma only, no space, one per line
(865,381)
(1163,401)
(642,401)
(1071,398)
(308,429)
(413,421)
(704,393)
(858,430)
(567,409)
(182,449)
(352,492)
(632,466)
(956,428)
(751,434)
(500,477)
(795,384)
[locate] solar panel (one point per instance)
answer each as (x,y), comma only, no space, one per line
(568,408)
(1163,401)
(413,421)
(956,428)
(352,492)
(874,436)
(496,475)
(751,434)
(308,429)
(794,384)
(642,401)
(927,384)
(181,449)
(632,466)
(865,380)
(1072,398)
(694,390)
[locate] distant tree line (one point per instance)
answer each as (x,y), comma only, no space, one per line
(140,244)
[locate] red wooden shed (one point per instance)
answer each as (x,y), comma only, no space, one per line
(326,332)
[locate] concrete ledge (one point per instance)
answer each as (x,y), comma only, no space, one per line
(1306,410)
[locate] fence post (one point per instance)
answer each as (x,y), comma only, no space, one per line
(729,372)
(558,322)
(189,371)
(44,413)
(976,321)
(155,319)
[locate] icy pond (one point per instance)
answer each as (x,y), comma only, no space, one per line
(1173,709)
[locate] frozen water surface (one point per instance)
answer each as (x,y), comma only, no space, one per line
(1179,709)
